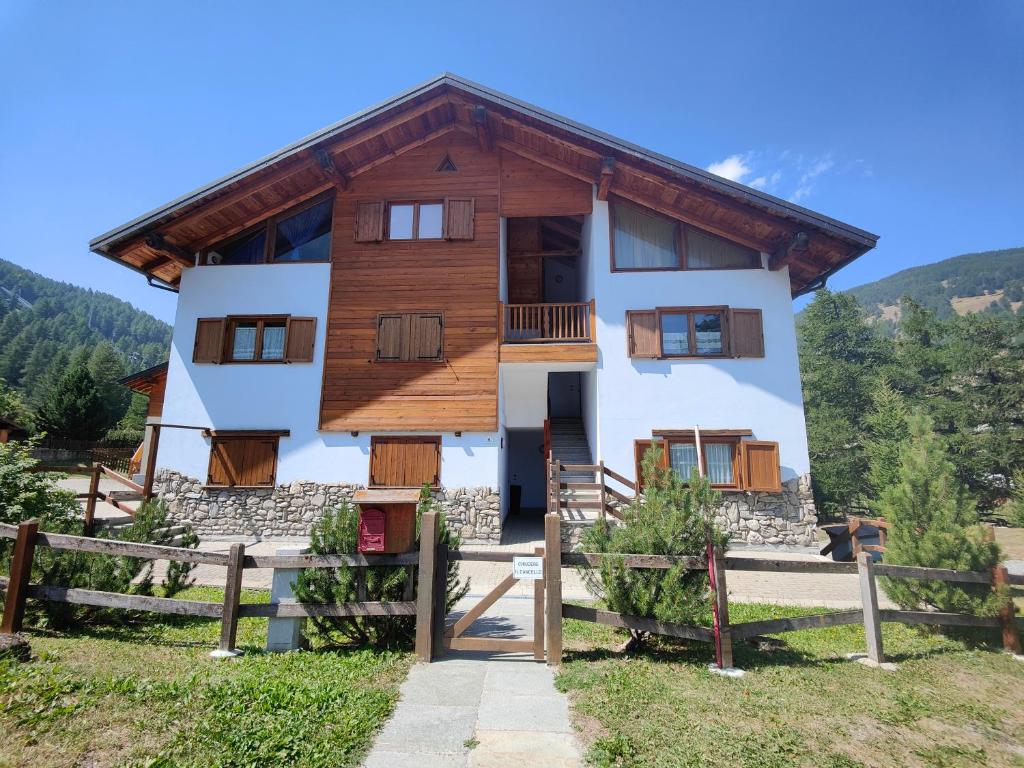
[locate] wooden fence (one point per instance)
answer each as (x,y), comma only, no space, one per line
(116,499)
(28,537)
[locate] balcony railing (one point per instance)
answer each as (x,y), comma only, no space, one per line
(571,323)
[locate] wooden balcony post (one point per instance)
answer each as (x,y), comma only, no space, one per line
(593,321)
(501,322)
(21,575)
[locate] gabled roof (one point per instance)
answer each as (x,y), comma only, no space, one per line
(143,381)
(813,245)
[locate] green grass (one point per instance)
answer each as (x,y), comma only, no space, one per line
(950,703)
(148,694)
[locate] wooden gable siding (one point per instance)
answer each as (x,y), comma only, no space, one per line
(457,278)
(529,189)
(156,396)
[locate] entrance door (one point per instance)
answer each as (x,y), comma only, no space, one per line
(564,395)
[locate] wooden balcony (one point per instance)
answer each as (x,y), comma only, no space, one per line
(562,332)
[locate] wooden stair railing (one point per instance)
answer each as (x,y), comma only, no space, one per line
(604,497)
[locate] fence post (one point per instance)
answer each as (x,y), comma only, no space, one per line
(429,534)
(440,595)
(232,597)
(553,585)
(538,613)
(869,603)
(21,574)
(90,503)
(1007,613)
(154,445)
(722,608)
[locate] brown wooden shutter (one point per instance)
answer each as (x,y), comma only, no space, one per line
(209,346)
(259,462)
(369,225)
(405,462)
(643,334)
(227,462)
(389,337)
(458,218)
(746,333)
(759,462)
(301,336)
(640,449)
(425,337)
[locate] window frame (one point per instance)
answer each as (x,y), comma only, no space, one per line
(269,227)
(721,310)
(230,324)
(406,319)
(224,436)
(709,438)
(415,220)
(680,241)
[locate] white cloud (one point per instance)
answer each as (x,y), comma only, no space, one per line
(734,168)
(806,184)
(767,182)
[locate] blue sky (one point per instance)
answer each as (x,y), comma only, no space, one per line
(906,119)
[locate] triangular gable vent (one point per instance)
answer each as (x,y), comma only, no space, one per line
(447,166)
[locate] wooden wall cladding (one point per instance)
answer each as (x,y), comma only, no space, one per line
(530,189)
(458,278)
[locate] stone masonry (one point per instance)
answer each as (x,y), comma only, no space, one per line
(756,519)
(289,511)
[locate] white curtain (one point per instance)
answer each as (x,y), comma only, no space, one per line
(244,345)
(682,457)
(718,461)
(675,334)
(273,342)
(706,251)
(643,240)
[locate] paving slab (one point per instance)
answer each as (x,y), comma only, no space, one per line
(428,729)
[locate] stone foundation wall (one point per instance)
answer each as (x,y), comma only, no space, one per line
(758,519)
(289,511)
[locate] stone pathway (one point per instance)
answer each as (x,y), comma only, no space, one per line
(480,710)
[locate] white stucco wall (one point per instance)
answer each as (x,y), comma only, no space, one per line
(636,396)
(278,396)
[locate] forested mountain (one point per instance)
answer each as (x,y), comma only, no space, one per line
(992,281)
(49,328)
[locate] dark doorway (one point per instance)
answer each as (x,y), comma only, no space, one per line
(564,395)
(526,470)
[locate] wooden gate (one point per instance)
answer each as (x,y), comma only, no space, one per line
(454,635)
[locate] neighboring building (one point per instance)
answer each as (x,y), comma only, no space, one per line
(413,294)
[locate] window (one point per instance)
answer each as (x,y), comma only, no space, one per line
(299,234)
(645,240)
(247,339)
(729,461)
(243,459)
(450,219)
(415,221)
(695,332)
(410,337)
(405,462)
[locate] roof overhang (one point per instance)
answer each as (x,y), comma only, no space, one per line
(164,241)
(144,381)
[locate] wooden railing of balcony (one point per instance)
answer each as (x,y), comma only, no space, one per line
(572,323)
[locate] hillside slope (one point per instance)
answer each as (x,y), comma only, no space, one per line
(44,321)
(974,282)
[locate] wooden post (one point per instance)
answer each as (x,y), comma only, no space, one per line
(869,602)
(154,444)
(600,491)
(855,544)
(21,575)
(553,585)
(501,322)
(232,598)
(90,503)
(1007,613)
(440,595)
(722,609)
(429,534)
(593,321)
(538,613)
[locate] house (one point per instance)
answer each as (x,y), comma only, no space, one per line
(445,287)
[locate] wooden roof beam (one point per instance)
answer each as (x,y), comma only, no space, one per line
(158,243)
(790,252)
(330,170)
(483,129)
(604,181)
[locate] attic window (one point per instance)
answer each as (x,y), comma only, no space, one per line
(447,166)
(302,233)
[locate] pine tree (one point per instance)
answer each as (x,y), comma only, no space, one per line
(73,409)
(107,368)
(888,428)
(933,524)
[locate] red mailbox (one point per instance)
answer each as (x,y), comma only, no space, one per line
(387,519)
(372,530)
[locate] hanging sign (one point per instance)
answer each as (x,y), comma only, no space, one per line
(528,568)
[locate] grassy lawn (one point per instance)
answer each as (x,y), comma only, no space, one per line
(150,695)
(951,703)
